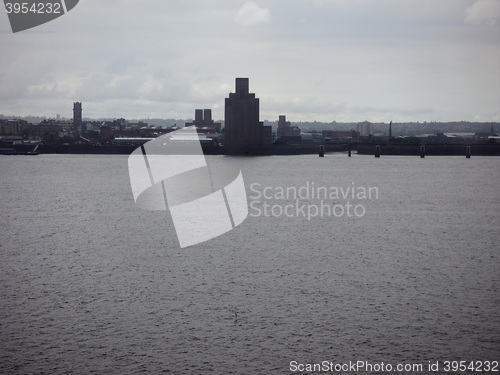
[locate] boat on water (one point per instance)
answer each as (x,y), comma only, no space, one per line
(19,147)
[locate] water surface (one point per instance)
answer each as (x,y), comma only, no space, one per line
(92,284)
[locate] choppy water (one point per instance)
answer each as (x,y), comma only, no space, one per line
(91,284)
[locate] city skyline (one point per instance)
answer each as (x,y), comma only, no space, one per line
(345,61)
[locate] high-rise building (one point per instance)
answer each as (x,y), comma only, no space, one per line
(365,129)
(207,116)
(243,130)
(285,129)
(198,116)
(203,121)
(77,114)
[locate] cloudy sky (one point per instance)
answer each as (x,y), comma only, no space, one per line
(324,60)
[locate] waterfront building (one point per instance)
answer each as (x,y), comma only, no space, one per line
(243,130)
(203,121)
(12,127)
(77,115)
(52,127)
(365,129)
(285,129)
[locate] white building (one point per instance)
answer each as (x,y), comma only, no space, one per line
(365,129)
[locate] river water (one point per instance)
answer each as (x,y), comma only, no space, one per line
(92,284)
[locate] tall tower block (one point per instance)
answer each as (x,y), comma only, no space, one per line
(77,114)
(244,132)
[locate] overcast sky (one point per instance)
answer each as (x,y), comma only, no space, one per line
(324,60)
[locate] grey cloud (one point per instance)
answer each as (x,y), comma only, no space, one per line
(483,12)
(252,14)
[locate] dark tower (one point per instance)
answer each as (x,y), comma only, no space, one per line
(207,116)
(242,88)
(203,119)
(390,130)
(198,116)
(77,114)
(244,132)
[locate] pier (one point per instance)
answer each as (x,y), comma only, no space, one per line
(429,149)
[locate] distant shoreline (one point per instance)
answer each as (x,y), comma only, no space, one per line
(360,148)
(207,149)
